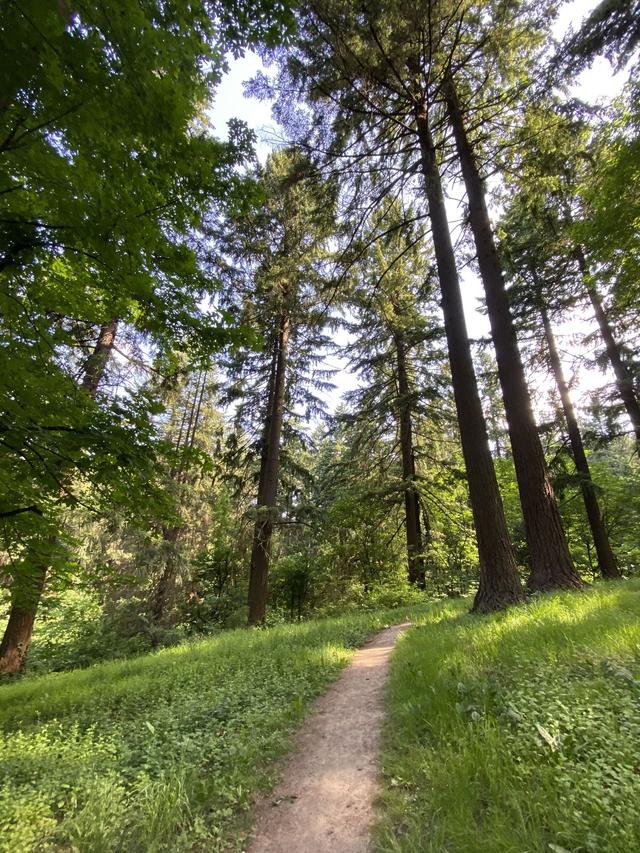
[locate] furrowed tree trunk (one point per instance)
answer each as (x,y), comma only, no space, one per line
(551,563)
(26,597)
(499,582)
(268,485)
(624,380)
(606,558)
(415,558)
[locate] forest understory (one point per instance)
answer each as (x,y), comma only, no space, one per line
(516,731)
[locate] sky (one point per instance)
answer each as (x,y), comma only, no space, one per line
(595,84)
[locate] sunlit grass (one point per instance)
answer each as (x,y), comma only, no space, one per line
(162,752)
(517,732)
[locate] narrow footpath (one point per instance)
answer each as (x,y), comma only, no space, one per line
(324,803)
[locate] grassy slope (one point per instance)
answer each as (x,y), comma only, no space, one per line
(518,732)
(161,752)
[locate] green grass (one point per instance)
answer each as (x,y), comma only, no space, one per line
(161,752)
(517,732)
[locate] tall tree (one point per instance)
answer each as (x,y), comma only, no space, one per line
(107,169)
(371,89)
(280,269)
(196,398)
(606,560)
(393,342)
(563,180)
(28,585)
(499,582)
(269,469)
(621,369)
(551,563)
(543,284)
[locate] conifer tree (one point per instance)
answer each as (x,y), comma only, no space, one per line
(391,329)
(551,563)
(281,267)
(542,286)
(372,77)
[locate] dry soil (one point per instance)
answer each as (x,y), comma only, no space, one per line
(324,803)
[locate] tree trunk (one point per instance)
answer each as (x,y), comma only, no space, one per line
(499,582)
(624,380)
(268,485)
(19,630)
(167,578)
(606,559)
(415,558)
(97,362)
(26,595)
(551,563)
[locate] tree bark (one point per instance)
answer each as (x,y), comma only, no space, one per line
(624,380)
(19,630)
(415,558)
(26,596)
(499,582)
(96,364)
(606,558)
(551,563)
(167,578)
(268,484)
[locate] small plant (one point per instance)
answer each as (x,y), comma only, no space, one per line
(161,752)
(518,731)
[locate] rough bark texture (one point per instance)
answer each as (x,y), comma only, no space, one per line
(268,485)
(415,558)
(624,380)
(606,558)
(26,597)
(19,630)
(551,563)
(499,581)
(96,363)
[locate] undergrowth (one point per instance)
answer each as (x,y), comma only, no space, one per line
(162,752)
(517,732)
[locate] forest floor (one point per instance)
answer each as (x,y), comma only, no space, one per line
(516,731)
(324,801)
(165,752)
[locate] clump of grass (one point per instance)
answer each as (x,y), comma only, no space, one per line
(518,731)
(162,752)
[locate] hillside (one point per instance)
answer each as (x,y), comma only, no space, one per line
(514,731)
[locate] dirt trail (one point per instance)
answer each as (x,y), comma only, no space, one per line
(324,803)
